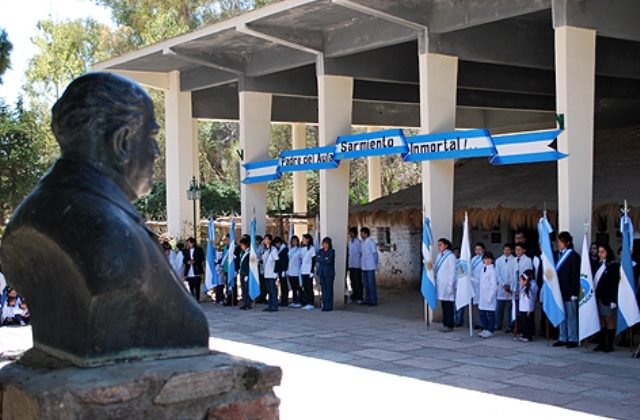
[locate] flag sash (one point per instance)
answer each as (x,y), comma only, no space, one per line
(441,260)
(564,257)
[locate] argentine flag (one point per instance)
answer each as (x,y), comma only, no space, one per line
(231,272)
(552,305)
(587,307)
(428,288)
(254,275)
(210,274)
(464,291)
(628,313)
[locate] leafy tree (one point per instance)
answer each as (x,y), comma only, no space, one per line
(5,52)
(27,149)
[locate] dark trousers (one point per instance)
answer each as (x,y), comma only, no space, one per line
(232,292)
(487,320)
(370,289)
(447,313)
(458,316)
(263,291)
(246,299)
(220,293)
(294,282)
(525,324)
(326,284)
(272,291)
(284,291)
(194,287)
(307,289)
(16,320)
(355,275)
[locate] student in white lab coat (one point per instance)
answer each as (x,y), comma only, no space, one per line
(505,269)
(293,271)
(522,264)
(526,306)
(487,295)
(306,270)
(445,273)
(269,259)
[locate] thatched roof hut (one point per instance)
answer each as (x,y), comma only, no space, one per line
(518,193)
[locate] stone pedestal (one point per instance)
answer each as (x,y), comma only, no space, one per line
(214,386)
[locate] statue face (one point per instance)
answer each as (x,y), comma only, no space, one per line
(143,152)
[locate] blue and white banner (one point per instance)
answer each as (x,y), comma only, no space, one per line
(210,274)
(308,159)
(451,145)
(533,147)
(628,313)
(385,142)
(428,286)
(509,149)
(254,274)
(552,305)
(267,170)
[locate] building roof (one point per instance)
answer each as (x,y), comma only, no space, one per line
(506,80)
(519,192)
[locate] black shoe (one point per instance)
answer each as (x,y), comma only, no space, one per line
(572,345)
(608,349)
(267,310)
(559,344)
(226,304)
(599,347)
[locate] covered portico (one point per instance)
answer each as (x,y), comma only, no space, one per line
(505,65)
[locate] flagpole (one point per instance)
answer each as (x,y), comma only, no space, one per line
(470,317)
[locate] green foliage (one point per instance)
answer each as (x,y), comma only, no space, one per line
(154,205)
(5,52)
(27,149)
(66,50)
(218,199)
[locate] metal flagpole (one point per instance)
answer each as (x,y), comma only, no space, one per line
(470,317)
(585,343)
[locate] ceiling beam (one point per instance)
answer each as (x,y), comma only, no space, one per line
(612,19)
(225,63)
(199,78)
(293,37)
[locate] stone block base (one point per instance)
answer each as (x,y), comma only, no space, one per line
(214,386)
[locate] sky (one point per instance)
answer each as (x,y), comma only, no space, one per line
(19,19)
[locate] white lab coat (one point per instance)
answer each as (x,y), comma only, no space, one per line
(369,260)
(355,253)
(446,278)
(295,261)
(522,264)
(505,270)
(307,260)
(476,274)
(488,287)
(269,258)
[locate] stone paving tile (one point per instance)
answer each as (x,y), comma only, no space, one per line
(384,355)
(334,356)
(343,346)
(413,372)
(538,395)
(608,394)
(492,362)
(366,363)
(540,359)
(482,372)
(276,334)
(470,383)
(393,346)
(292,347)
(564,372)
(550,384)
(609,381)
(604,407)
(484,350)
(426,363)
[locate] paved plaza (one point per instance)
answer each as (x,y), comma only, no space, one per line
(596,383)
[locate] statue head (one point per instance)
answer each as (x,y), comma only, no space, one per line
(109,121)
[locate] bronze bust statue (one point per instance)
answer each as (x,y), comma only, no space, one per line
(99,286)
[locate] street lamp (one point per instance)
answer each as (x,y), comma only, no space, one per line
(194,193)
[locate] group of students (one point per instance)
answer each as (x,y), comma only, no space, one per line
(13,307)
(511,285)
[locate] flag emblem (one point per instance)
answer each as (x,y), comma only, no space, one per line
(549,275)
(429,266)
(586,293)
(462,267)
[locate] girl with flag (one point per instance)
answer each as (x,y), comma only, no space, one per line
(269,259)
(445,273)
(605,281)
(293,271)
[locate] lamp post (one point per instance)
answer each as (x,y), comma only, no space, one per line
(194,193)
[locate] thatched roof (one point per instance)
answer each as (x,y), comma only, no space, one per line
(517,193)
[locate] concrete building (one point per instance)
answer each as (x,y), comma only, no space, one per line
(505,65)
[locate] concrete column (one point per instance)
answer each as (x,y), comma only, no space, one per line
(438,79)
(255,133)
(575,50)
(181,150)
(335,98)
(298,135)
(374,173)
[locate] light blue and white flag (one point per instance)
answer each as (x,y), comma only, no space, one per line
(428,287)
(211,275)
(539,146)
(552,305)
(254,274)
(451,145)
(267,170)
(231,276)
(628,313)
(376,143)
(464,290)
(317,244)
(587,307)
